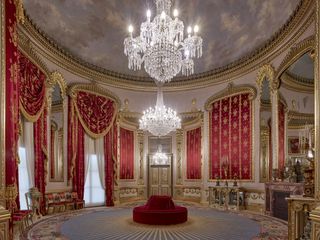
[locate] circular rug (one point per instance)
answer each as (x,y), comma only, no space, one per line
(117,224)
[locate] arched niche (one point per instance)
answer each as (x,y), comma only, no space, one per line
(266,86)
(57,103)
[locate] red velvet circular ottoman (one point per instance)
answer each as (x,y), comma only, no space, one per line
(160,210)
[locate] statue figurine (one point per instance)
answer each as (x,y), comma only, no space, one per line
(217,180)
(235,183)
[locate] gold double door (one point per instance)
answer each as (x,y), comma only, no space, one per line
(160,178)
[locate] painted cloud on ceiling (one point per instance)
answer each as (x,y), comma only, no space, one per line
(94,30)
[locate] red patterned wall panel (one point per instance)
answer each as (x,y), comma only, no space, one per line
(126,154)
(230,138)
(194,153)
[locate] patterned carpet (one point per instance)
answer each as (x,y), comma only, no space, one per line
(116,224)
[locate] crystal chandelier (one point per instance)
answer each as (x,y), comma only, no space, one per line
(160,158)
(159,120)
(161,45)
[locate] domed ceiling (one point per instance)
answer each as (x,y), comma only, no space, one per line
(94,30)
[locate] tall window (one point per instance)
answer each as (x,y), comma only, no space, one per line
(94,193)
(24,183)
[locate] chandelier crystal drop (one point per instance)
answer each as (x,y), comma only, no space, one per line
(160,120)
(161,45)
(160,158)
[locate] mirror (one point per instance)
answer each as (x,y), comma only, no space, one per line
(265,131)
(297,87)
(56,133)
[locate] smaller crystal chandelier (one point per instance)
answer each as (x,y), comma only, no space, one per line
(160,158)
(160,120)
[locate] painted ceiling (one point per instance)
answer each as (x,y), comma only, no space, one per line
(94,30)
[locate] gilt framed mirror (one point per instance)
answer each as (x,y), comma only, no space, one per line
(56,113)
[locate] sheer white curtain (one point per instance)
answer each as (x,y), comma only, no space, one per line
(100,157)
(94,193)
(26,166)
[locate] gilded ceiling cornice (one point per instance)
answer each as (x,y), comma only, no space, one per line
(300,116)
(95,89)
(295,53)
(296,83)
(230,91)
(61,57)
(190,118)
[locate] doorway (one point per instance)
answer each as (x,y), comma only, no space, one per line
(160,168)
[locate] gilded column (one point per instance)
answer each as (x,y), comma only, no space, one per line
(141,148)
(179,139)
(275,128)
(315,214)
(2,104)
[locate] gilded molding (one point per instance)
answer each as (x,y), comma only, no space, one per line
(285,37)
(19,11)
(140,134)
(230,91)
(295,53)
(191,118)
(2,106)
(55,78)
(300,116)
(317,104)
(130,118)
(267,72)
(25,46)
(296,83)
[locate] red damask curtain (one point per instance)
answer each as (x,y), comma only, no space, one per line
(230,137)
(32,89)
(109,167)
(32,104)
(95,115)
(281,149)
(194,153)
(12,104)
(126,154)
(40,154)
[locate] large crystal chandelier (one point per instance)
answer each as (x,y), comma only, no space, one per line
(161,45)
(159,120)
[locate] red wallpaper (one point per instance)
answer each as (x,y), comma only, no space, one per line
(194,154)
(126,154)
(230,138)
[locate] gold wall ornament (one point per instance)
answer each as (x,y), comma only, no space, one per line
(55,77)
(266,72)
(295,52)
(230,91)
(288,34)
(19,11)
